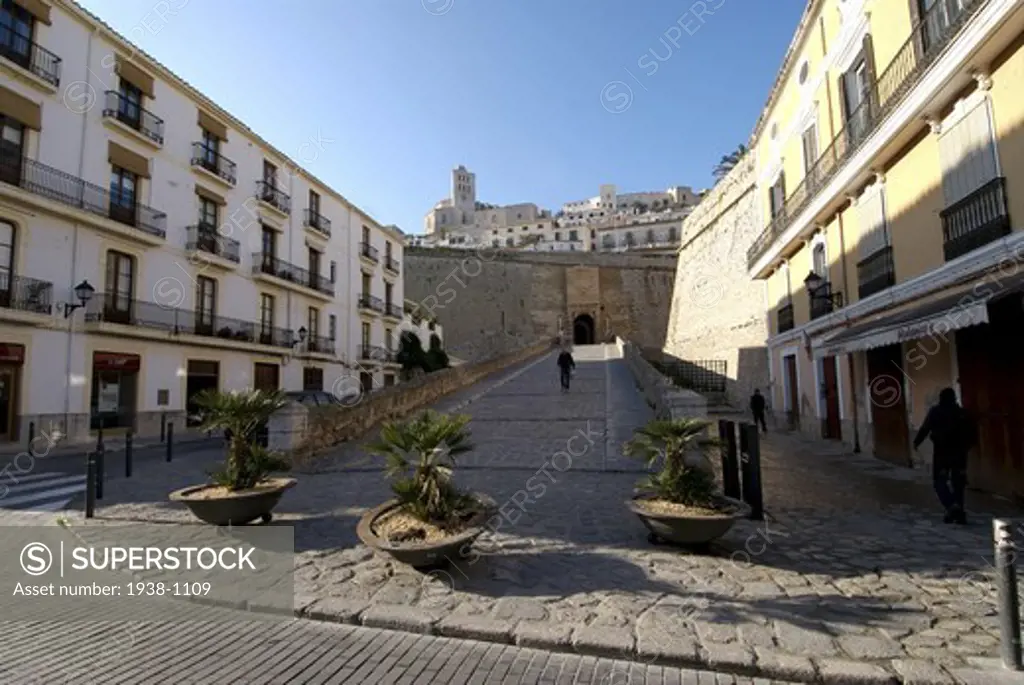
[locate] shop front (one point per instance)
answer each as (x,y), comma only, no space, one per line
(114,390)
(12,358)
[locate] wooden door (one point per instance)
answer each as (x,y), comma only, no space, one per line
(887,395)
(793,393)
(833,429)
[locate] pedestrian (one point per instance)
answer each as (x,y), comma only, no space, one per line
(757,408)
(566,366)
(953,435)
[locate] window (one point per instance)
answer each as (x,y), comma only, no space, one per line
(314,205)
(573,236)
(269,174)
(12,137)
(810,149)
(314,267)
(207,212)
(332,327)
(388,291)
(510,242)
(366,235)
(210,149)
(334,271)
(650,236)
(206,303)
(629,240)
(120,282)
(313,325)
(672,234)
(871,220)
(558,236)
(388,341)
(269,245)
(820,265)
(387,249)
(366,285)
(6,256)
(16,33)
(389,380)
(123,184)
(967,151)
(312,379)
(777,196)
(365,335)
(129,107)
(266,314)
(855,87)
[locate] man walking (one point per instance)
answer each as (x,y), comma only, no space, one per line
(757,408)
(566,365)
(953,434)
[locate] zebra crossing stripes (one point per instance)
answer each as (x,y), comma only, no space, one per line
(40,491)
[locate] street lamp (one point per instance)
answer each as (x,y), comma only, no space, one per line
(83,291)
(815,284)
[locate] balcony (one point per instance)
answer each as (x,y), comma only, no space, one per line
(23,52)
(215,163)
(369,252)
(151,316)
(268,194)
(928,39)
(318,222)
(25,294)
(391,264)
(980,218)
(119,108)
(876,273)
(370,303)
(268,265)
(205,239)
(392,311)
(317,344)
(822,303)
(374,353)
(786,318)
(150,225)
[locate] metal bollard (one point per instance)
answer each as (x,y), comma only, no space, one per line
(730,464)
(90,485)
(101,458)
(1009,609)
(99,439)
(31,434)
(170,441)
(750,463)
(163,426)
(128,440)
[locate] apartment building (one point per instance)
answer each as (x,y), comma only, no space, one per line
(152,246)
(890,168)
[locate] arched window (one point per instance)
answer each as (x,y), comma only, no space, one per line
(819,264)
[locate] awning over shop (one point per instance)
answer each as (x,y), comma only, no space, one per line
(937,318)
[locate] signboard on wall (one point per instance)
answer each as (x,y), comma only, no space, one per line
(12,354)
(111,361)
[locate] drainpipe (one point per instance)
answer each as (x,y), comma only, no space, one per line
(842,250)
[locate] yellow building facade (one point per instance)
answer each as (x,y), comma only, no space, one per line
(891,175)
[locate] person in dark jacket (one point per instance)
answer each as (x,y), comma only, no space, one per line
(952,433)
(757,408)
(566,365)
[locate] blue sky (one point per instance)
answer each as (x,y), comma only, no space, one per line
(531,95)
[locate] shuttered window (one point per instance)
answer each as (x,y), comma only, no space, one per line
(967,149)
(874,234)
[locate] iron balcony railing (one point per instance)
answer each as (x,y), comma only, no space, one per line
(369,251)
(374,353)
(318,222)
(822,302)
(213,161)
(263,263)
(366,301)
(111,308)
(786,322)
(320,344)
(29,56)
(268,193)
(392,264)
(25,294)
(58,186)
(206,238)
(928,39)
(134,116)
(876,273)
(980,218)
(392,310)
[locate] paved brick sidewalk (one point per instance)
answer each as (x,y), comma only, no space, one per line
(853,578)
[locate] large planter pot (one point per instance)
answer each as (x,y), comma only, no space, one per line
(425,554)
(688,529)
(237,508)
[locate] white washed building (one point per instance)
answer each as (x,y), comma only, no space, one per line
(215,259)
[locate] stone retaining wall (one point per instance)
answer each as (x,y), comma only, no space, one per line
(667,399)
(302,431)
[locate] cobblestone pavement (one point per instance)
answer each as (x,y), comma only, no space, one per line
(852,578)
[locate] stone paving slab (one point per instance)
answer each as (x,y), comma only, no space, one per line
(852,578)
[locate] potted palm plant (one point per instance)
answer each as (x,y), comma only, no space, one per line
(243,490)
(680,502)
(430,520)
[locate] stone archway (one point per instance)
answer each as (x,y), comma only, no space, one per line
(583,330)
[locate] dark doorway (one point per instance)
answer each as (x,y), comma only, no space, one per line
(201,375)
(888,404)
(832,429)
(265,377)
(583,330)
(366,382)
(113,392)
(792,392)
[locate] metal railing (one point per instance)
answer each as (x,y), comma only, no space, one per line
(274,197)
(318,222)
(369,251)
(929,37)
(25,294)
(375,353)
(700,375)
(263,263)
(56,185)
(214,162)
(29,56)
(393,310)
(366,301)
(821,301)
(134,116)
(978,219)
(206,238)
(876,273)
(786,319)
(320,344)
(392,264)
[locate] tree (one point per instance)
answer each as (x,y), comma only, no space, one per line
(436,357)
(410,354)
(728,162)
